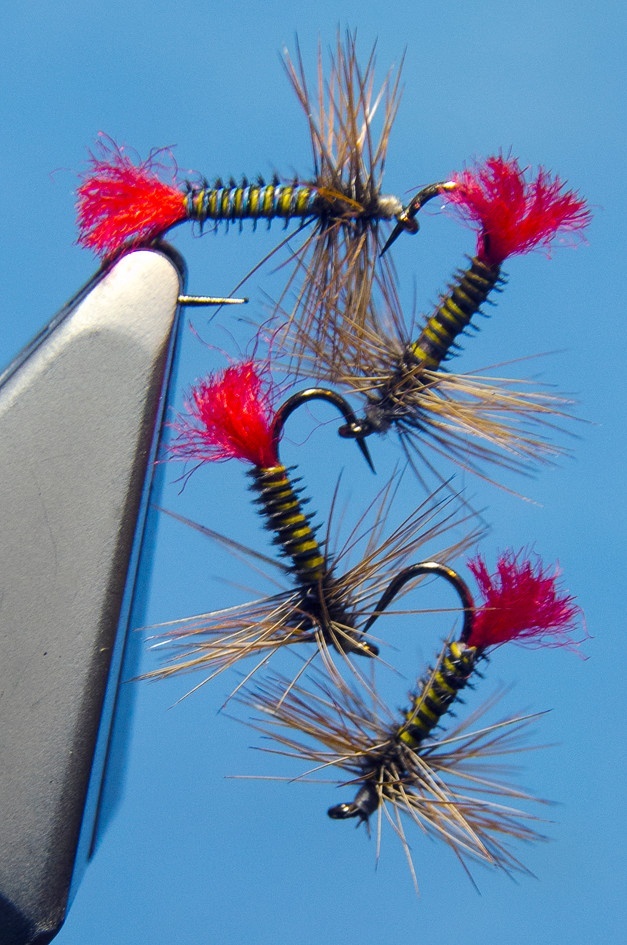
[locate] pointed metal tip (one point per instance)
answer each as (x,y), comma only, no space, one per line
(365,452)
(199,300)
(406,220)
(394,235)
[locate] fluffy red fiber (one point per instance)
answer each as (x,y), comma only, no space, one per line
(230,417)
(521,602)
(120,202)
(515,215)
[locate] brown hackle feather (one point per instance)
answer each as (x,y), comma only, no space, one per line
(216,641)
(481,422)
(458,787)
(339,258)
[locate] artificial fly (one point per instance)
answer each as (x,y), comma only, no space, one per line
(442,784)
(344,326)
(231,415)
(468,418)
(122,203)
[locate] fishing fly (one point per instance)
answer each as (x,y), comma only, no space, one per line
(444,785)
(469,418)
(122,203)
(231,415)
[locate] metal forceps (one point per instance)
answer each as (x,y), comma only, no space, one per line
(80,410)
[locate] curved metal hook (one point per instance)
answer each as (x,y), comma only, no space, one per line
(320,393)
(368,798)
(406,220)
(428,567)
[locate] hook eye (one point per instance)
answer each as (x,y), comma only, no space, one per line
(428,567)
(365,804)
(355,430)
(406,219)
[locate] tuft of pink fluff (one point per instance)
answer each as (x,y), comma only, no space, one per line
(121,203)
(522,601)
(514,213)
(230,416)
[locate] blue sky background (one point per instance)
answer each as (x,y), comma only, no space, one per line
(191,855)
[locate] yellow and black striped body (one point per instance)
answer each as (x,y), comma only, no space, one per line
(282,509)
(397,397)
(274,200)
(258,201)
(324,604)
(465,297)
(390,760)
(437,692)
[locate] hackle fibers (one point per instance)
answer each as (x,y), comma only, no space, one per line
(452,785)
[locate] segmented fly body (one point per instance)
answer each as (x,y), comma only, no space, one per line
(231,415)
(123,203)
(469,418)
(444,784)
(344,326)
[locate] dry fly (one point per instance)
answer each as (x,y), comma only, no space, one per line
(231,415)
(339,208)
(450,786)
(398,367)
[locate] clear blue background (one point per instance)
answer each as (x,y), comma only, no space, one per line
(191,855)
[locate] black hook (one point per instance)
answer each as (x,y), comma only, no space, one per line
(321,393)
(365,804)
(356,429)
(406,220)
(429,567)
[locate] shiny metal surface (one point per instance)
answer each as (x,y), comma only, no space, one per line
(78,410)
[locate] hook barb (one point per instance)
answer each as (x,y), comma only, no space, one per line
(321,393)
(406,220)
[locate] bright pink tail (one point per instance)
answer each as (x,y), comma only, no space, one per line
(121,203)
(230,417)
(515,215)
(522,602)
